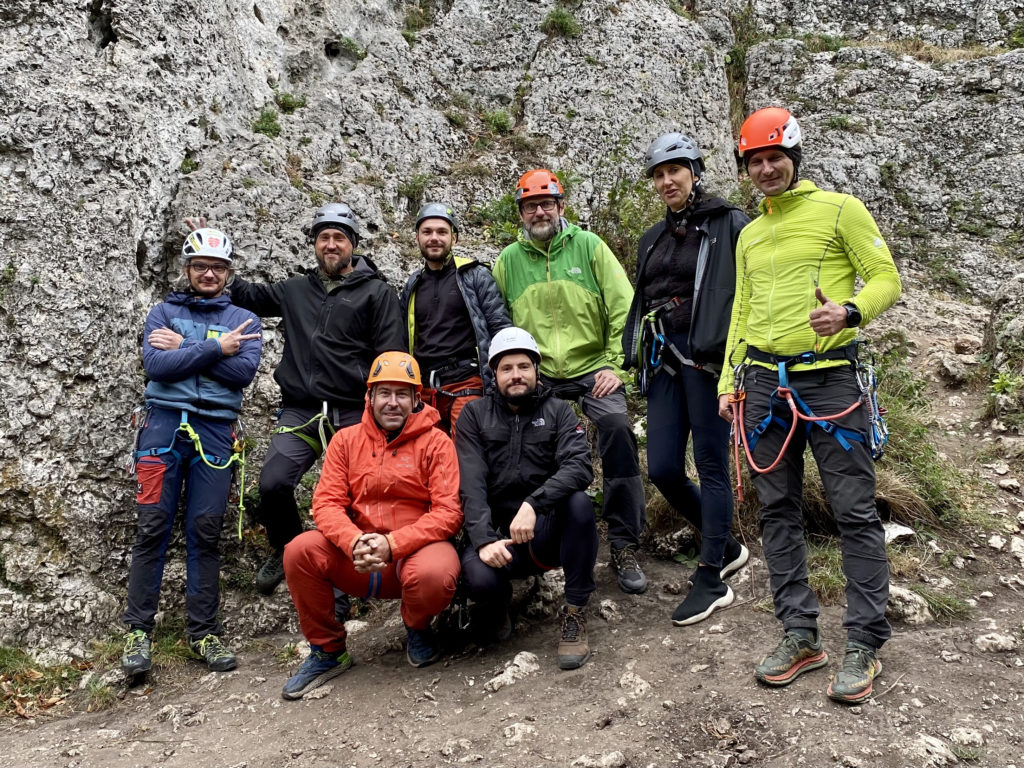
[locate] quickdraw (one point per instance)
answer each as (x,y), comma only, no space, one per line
(322,420)
(654,339)
(237,452)
(867,381)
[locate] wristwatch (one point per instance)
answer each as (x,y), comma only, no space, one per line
(853,316)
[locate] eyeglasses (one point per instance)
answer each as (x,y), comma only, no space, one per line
(545,205)
(201,269)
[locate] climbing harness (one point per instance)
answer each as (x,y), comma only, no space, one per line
(138,421)
(652,345)
(323,426)
(867,382)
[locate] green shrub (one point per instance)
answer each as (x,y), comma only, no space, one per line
(498,122)
(561,23)
(288,103)
(267,123)
(188,165)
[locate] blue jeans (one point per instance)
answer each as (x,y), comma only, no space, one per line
(679,407)
(160,480)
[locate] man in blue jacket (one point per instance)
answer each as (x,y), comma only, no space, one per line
(199,352)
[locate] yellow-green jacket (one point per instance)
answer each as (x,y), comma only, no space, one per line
(805,238)
(573,299)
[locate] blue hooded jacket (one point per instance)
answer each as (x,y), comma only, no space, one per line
(196,377)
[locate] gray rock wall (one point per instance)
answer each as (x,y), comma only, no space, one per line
(118,119)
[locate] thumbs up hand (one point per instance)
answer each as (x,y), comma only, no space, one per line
(828,319)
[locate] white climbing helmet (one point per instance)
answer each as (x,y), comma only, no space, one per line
(208,242)
(512,340)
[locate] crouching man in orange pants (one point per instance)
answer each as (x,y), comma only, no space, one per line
(385,507)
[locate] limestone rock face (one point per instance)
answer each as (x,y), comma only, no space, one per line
(119,119)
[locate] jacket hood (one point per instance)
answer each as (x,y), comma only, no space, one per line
(702,208)
(423,420)
(195,301)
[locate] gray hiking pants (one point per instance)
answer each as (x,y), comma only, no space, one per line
(849,481)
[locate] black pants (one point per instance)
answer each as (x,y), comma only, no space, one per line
(849,481)
(288,459)
(565,537)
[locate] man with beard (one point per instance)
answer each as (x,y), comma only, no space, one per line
(565,286)
(452,308)
(336,320)
(524,464)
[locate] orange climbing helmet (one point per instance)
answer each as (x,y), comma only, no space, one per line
(395,368)
(539,182)
(768,127)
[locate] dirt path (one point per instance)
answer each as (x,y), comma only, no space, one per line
(653,695)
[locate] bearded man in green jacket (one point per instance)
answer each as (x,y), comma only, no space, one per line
(566,288)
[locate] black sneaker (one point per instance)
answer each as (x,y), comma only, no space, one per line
(421,649)
(853,683)
(736,556)
(489,625)
(709,592)
(214,653)
(271,574)
(631,576)
(793,656)
(138,653)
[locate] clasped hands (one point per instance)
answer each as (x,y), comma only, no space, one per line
(371,552)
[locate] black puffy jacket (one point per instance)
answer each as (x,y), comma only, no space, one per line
(539,454)
(330,338)
(719,223)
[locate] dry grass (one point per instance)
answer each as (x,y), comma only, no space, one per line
(934,54)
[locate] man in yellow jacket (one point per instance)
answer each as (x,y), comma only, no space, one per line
(793,328)
(565,287)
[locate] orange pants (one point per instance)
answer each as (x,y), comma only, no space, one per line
(450,407)
(424,581)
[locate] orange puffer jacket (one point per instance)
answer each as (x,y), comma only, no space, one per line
(407,489)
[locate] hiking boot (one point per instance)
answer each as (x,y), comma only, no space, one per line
(573,649)
(736,556)
(631,576)
(708,593)
(852,684)
(138,653)
(214,652)
(421,648)
(271,574)
(317,668)
(795,654)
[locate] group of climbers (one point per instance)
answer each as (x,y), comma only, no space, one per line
(731,320)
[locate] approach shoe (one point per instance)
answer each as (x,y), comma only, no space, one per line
(793,656)
(317,668)
(214,652)
(853,683)
(631,576)
(573,648)
(736,556)
(270,574)
(489,625)
(138,653)
(709,592)
(421,648)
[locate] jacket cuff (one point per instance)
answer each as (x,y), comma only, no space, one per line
(392,545)
(351,546)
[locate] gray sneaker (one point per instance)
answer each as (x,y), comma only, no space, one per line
(271,574)
(138,653)
(793,656)
(631,576)
(853,683)
(214,653)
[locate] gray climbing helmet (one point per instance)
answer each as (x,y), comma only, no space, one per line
(437,211)
(677,147)
(335,216)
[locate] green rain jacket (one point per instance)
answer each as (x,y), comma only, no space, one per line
(805,238)
(573,299)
